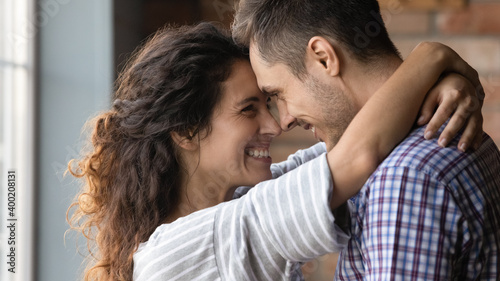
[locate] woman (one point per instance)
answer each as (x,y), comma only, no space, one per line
(188,126)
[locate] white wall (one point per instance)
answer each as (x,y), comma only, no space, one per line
(75,81)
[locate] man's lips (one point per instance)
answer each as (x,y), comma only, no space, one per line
(308,127)
(313,130)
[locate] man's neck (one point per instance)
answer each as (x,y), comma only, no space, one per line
(372,78)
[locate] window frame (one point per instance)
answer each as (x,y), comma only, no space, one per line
(18,127)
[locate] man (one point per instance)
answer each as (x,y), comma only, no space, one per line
(428,212)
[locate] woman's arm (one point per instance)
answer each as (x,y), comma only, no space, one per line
(298,158)
(375,131)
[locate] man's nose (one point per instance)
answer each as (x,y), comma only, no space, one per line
(287,122)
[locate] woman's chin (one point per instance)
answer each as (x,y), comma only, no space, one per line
(256,177)
(263,176)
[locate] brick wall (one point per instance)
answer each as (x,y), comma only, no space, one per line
(473,32)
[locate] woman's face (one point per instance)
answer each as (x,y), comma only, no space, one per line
(236,152)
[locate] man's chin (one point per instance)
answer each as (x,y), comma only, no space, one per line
(330,143)
(318,135)
(330,138)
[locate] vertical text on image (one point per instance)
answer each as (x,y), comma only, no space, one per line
(11,221)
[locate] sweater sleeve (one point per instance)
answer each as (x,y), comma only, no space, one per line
(261,236)
(298,158)
(279,223)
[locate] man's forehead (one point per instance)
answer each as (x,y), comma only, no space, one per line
(258,67)
(255,56)
(269,77)
(266,80)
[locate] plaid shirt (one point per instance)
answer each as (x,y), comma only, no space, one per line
(427,213)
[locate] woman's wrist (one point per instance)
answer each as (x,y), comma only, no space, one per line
(432,56)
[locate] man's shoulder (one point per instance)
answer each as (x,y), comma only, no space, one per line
(415,152)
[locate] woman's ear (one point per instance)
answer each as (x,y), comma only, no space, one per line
(321,53)
(185,142)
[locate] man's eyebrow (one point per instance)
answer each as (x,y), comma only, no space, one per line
(248,100)
(267,90)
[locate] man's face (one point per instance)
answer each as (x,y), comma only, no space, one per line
(314,103)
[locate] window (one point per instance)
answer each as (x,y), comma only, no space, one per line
(16,139)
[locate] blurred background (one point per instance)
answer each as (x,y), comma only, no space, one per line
(58,61)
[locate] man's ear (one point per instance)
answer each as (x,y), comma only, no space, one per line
(320,51)
(185,142)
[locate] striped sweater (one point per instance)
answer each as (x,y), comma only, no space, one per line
(265,234)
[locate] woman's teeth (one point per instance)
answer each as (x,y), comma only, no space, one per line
(258,153)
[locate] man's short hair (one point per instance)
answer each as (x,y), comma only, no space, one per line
(282,29)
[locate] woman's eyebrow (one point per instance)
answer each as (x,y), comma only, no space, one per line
(247,100)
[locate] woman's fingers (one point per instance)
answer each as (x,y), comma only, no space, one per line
(428,107)
(442,114)
(459,120)
(459,103)
(457,98)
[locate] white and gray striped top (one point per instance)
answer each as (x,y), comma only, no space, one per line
(263,235)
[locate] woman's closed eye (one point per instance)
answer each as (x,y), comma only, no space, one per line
(250,110)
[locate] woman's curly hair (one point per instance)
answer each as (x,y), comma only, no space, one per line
(131,173)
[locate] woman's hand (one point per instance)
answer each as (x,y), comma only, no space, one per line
(462,97)
(453,96)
